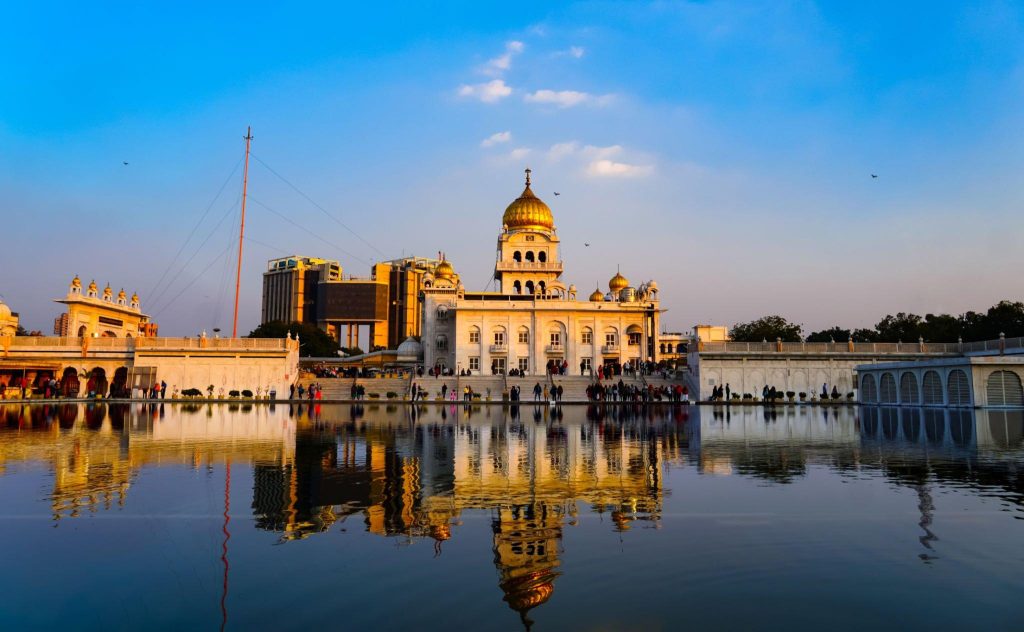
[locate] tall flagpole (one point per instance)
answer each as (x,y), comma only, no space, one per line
(241,231)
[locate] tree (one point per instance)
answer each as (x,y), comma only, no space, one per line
(1005,317)
(832,334)
(941,328)
(865,335)
(902,327)
(766,328)
(313,342)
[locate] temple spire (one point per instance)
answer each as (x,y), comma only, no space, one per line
(527,176)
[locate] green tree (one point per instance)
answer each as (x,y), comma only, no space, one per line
(1005,317)
(313,342)
(766,328)
(865,335)
(941,328)
(902,327)
(837,334)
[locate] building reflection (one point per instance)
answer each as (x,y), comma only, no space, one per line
(412,473)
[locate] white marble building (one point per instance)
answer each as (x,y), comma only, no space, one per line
(534,317)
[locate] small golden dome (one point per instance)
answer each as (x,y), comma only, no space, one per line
(618,283)
(444,270)
(121,295)
(597,295)
(107,291)
(135,297)
(76,282)
(528,212)
(92,286)
(5,312)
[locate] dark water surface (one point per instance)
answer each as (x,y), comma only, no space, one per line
(377,517)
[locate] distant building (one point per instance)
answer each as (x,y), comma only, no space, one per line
(315,291)
(91,314)
(290,288)
(711,333)
(8,321)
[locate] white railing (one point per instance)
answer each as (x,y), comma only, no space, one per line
(499,348)
(609,348)
(130,344)
(829,347)
(554,349)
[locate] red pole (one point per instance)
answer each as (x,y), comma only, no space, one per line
(241,232)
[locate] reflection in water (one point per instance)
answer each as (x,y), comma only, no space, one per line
(411,472)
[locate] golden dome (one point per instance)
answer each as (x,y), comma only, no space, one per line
(444,270)
(597,295)
(618,283)
(107,291)
(528,212)
(5,312)
(76,282)
(135,297)
(92,286)
(121,295)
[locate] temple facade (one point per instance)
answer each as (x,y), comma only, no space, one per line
(534,320)
(90,314)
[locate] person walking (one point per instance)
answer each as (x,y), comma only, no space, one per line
(728,392)
(536,392)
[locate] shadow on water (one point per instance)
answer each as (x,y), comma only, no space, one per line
(413,472)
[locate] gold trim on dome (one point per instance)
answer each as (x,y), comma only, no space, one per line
(528,212)
(598,295)
(444,270)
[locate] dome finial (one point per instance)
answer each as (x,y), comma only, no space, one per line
(528,171)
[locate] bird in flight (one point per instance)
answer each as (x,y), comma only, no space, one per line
(557,193)
(874,175)
(587,245)
(124,162)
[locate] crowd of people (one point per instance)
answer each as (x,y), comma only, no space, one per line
(622,392)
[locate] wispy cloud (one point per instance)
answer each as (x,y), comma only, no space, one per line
(597,161)
(567,98)
(496,138)
(497,66)
(489,92)
(612,169)
(519,153)
(576,52)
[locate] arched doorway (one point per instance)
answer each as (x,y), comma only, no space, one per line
(887,389)
(908,388)
(69,385)
(1003,388)
(932,388)
(119,385)
(868,394)
(958,389)
(96,385)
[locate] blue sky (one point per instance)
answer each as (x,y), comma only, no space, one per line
(723,149)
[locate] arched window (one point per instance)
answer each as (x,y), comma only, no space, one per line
(633,335)
(680,348)
(661,347)
(518,287)
(887,389)
(957,389)
(529,287)
(517,256)
(524,335)
(1003,388)
(500,340)
(542,256)
(81,331)
(442,312)
(868,394)
(908,389)
(611,337)
(932,388)
(442,342)
(529,255)
(474,335)
(542,288)
(587,336)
